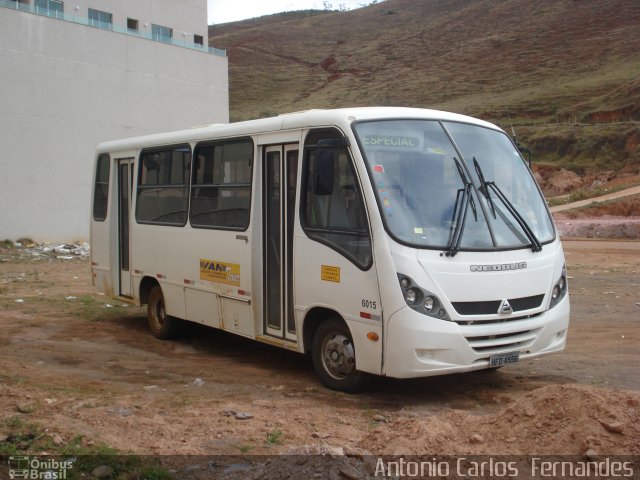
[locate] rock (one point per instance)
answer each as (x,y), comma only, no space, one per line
(198,382)
(476,438)
(24,407)
(57,440)
(319,435)
(334,474)
(613,427)
(258,474)
(243,416)
(591,454)
(122,411)
(350,471)
(379,418)
(353,452)
(102,472)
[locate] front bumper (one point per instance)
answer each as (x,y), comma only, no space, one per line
(419,346)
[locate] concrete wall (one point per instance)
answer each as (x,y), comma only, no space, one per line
(64,88)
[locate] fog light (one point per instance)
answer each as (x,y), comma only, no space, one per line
(429,303)
(404,283)
(410,296)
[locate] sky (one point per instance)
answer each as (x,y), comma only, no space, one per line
(222,11)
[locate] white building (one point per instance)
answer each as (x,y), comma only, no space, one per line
(76,73)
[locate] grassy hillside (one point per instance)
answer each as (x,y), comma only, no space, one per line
(560,71)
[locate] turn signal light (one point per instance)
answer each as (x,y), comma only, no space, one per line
(373,336)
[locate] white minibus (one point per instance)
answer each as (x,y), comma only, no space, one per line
(397,242)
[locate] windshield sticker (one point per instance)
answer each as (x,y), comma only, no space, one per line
(399,140)
(418,230)
(220,272)
(378,168)
(391,141)
(436,150)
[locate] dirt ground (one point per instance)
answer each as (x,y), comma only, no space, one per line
(84,368)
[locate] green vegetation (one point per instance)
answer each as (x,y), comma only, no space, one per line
(246,448)
(274,437)
(24,437)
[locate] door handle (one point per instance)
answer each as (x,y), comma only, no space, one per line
(242,237)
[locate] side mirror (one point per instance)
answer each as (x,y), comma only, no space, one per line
(324,171)
(524,150)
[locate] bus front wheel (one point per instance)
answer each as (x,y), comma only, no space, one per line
(161,325)
(334,358)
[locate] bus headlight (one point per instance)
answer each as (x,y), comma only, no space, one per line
(410,296)
(559,289)
(421,300)
(429,303)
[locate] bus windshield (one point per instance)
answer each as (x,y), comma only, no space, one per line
(454,186)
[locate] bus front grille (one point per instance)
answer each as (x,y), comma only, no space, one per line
(502,342)
(491,307)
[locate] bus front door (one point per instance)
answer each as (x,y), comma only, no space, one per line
(280,174)
(125,179)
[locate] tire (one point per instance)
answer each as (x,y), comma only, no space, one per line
(334,358)
(162,326)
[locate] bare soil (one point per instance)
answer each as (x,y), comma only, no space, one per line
(83,367)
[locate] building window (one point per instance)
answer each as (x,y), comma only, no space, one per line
(198,40)
(163,186)
(161,34)
(52,8)
(21,4)
(100,19)
(221,185)
(132,24)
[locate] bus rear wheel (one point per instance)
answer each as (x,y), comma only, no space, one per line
(162,326)
(334,358)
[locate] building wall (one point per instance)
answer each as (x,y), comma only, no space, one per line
(184,16)
(67,87)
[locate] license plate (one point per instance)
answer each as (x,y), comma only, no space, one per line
(500,359)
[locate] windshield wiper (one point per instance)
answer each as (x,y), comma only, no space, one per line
(459,217)
(536,246)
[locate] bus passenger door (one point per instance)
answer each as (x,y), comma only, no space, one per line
(125,182)
(280,175)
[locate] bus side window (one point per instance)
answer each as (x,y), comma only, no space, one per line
(221,184)
(332,210)
(101,189)
(163,186)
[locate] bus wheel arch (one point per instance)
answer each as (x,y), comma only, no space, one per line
(328,337)
(162,325)
(146,285)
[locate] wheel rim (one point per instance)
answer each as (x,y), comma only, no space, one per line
(338,356)
(158,314)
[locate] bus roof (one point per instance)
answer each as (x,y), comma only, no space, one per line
(288,121)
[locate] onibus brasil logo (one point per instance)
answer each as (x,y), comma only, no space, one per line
(34,468)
